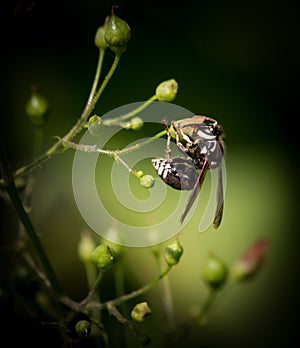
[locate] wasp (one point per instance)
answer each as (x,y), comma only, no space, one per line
(201,139)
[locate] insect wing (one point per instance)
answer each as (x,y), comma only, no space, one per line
(195,190)
(214,210)
(220,200)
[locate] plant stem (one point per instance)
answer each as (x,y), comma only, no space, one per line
(113,310)
(106,80)
(14,196)
(124,298)
(37,146)
(91,274)
(92,100)
(38,141)
(120,160)
(201,316)
(166,296)
(95,286)
(95,149)
(95,83)
(118,120)
(119,277)
(178,335)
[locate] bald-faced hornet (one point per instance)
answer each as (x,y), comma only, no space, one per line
(200,138)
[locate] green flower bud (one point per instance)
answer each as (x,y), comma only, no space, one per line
(214,273)
(139,173)
(141,312)
(173,253)
(126,125)
(136,123)
(86,246)
(104,257)
(95,125)
(251,261)
(99,38)
(166,91)
(117,34)
(36,109)
(83,328)
(147,181)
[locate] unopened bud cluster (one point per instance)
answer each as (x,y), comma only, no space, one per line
(95,125)
(99,38)
(166,91)
(141,312)
(173,253)
(104,257)
(251,261)
(214,272)
(147,181)
(136,123)
(83,328)
(115,34)
(86,247)
(36,109)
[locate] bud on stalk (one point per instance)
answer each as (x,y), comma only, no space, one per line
(117,34)
(251,261)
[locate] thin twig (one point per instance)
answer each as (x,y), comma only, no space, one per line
(14,196)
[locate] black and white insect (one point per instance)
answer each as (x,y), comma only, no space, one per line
(200,138)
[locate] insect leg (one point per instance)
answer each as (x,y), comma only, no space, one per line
(168,149)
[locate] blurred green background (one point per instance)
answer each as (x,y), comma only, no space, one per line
(234,61)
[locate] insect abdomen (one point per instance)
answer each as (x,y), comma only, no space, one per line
(178,173)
